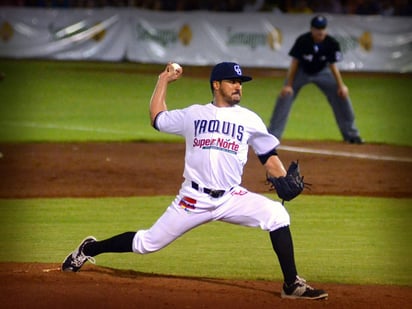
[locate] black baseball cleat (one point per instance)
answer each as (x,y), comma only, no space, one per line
(75,260)
(355,140)
(300,290)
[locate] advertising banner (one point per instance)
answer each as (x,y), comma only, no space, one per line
(257,39)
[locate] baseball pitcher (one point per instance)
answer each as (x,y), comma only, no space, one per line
(217,136)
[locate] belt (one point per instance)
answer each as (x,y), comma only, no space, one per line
(212,192)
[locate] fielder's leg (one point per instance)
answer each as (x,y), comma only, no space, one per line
(280,115)
(281,111)
(341,107)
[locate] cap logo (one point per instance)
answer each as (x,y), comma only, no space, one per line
(237,69)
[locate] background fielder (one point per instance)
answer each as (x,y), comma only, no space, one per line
(314,56)
(217,135)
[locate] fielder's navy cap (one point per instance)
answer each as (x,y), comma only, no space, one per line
(228,70)
(319,22)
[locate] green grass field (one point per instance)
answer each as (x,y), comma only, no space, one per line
(337,239)
(65,101)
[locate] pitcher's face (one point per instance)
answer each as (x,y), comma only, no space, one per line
(229,92)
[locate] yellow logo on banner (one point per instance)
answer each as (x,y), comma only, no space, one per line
(99,35)
(365,41)
(185,35)
(274,39)
(6,31)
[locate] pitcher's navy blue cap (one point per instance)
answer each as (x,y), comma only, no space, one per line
(319,22)
(228,70)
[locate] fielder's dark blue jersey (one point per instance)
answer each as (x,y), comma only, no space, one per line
(314,57)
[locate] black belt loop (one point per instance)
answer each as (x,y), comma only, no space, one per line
(211,192)
(195,186)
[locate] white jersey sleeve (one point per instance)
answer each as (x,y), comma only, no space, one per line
(171,121)
(261,140)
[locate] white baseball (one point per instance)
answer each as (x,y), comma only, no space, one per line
(176,66)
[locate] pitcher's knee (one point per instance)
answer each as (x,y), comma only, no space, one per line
(279,218)
(143,244)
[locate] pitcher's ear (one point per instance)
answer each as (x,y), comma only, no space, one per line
(216,84)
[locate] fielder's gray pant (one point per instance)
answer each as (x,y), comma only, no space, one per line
(325,81)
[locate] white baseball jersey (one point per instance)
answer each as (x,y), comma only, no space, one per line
(217,141)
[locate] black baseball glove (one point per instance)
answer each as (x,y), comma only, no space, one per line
(289,186)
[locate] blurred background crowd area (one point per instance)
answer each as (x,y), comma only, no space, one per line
(357,7)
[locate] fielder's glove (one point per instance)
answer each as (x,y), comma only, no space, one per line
(289,186)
